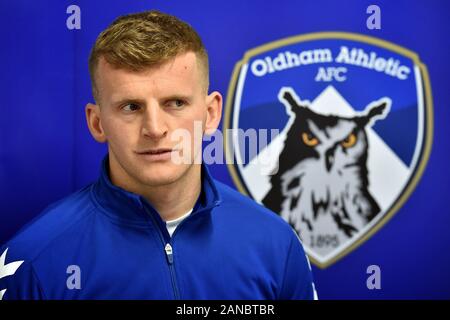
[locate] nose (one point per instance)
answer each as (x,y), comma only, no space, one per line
(329,158)
(154,125)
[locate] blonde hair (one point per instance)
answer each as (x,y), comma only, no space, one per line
(142,40)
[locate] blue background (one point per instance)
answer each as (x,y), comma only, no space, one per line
(46,151)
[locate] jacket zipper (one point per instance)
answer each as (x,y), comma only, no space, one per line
(169,255)
(169,251)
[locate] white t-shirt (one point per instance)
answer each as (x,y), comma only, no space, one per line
(173,224)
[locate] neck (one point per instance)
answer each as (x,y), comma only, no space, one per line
(175,199)
(171,200)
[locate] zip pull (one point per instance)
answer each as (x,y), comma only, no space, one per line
(169,253)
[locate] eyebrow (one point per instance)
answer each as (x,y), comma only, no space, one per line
(171,97)
(184,97)
(128,100)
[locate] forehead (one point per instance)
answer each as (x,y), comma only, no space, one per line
(180,75)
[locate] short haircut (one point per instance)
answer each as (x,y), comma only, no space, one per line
(143,40)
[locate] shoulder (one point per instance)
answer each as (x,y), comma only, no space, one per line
(243,209)
(254,226)
(51,225)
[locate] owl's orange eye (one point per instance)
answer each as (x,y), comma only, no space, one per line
(349,141)
(309,139)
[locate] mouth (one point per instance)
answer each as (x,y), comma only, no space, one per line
(155,151)
(160,154)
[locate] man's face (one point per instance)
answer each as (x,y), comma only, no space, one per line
(138,113)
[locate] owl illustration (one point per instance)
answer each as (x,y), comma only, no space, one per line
(322,169)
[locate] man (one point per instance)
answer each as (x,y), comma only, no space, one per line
(152,227)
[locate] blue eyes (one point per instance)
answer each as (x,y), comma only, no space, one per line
(175,104)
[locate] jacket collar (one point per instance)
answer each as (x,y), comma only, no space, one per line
(128,207)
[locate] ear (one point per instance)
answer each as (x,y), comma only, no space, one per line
(376,110)
(214,112)
(94,123)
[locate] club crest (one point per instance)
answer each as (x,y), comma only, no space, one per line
(352,117)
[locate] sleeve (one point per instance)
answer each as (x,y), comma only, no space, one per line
(297,280)
(18,280)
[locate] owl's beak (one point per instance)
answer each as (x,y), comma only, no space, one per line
(329,159)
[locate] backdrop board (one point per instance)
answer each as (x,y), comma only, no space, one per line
(369,83)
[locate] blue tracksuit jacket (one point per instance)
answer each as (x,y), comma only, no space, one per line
(103,242)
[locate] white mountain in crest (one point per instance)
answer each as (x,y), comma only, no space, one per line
(387,173)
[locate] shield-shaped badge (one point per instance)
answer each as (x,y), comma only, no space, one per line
(343,126)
